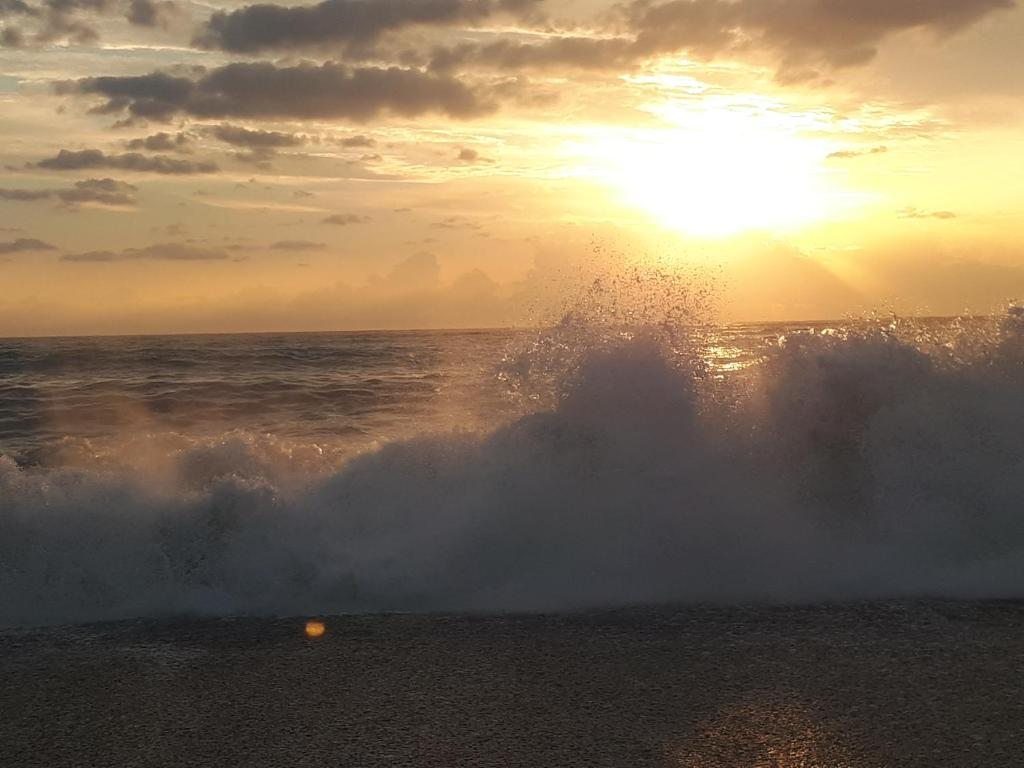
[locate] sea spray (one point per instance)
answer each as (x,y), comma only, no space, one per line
(867,461)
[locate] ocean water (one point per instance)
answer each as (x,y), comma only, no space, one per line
(588,465)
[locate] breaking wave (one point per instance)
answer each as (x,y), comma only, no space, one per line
(859,463)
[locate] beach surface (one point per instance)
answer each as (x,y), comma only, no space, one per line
(901,684)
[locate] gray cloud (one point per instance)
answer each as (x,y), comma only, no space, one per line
(156,252)
(357,141)
(264,90)
(153,13)
(67,160)
(11,37)
(99,191)
(161,142)
(255,139)
(344,219)
(837,33)
(348,22)
(799,34)
(572,52)
(25,244)
(61,22)
(297,245)
(467,155)
(16,8)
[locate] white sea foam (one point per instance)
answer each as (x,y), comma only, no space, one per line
(853,464)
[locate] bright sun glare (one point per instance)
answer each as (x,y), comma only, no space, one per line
(716,173)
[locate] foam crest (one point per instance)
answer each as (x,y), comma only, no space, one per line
(856,464)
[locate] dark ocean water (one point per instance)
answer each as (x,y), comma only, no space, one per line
(356,387)
(582,466)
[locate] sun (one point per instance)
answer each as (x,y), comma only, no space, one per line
(716,174)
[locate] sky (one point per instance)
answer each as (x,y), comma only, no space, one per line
(176,166)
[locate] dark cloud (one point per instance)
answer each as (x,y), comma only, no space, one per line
(62,27)
(161,142)
(67,160)
(799,34)
(264,90)
(344,219)
(153,13)
(837,33)
(570,52)
(357,141)
(255,139)
(849,154)
(258,157)
(297,245)
(16,8)
(69,6)
(157,252)
(25,244)
(61,20)
(99,191)
(11,37)
(467,155)
(346,22)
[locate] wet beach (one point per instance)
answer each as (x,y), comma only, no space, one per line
(921,683)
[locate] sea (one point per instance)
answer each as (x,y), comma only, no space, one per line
(577,466)
(596,543)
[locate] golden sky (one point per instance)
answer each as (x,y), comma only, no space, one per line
(180,166)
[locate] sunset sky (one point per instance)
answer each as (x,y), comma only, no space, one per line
(174,166)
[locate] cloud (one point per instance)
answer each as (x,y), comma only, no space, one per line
(297,245)
(837,33)
(571,52)
(344,219)
(98,191)
(455,222)
(67,160)
(153,13)
(255,139)
(16,8)
(156,252)
(799,35)
(467,155)
(161,142)
(11,37)
(25,244)
(332,22)
(357,141)
(418,272)
(914,213)
(264,90)
(849,154)
(60,22)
